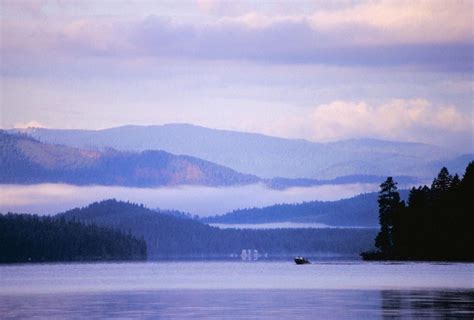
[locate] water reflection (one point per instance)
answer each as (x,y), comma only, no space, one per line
(242,304)
(427,304)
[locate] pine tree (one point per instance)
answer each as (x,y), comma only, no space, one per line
(455,182)
(442,182)
(389,204)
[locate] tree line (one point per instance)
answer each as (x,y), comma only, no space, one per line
(30,238)
(435,224)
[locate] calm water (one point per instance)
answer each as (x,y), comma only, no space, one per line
(244,290)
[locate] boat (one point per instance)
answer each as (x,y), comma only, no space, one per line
(301,260)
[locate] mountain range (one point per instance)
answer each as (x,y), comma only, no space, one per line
(24,160)
(265,156)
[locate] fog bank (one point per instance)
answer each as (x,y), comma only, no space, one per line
(53,198)
(279,225)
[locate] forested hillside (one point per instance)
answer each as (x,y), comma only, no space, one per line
(359,211)
(168,235)
(29,238)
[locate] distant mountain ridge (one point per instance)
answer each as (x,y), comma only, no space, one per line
(284,183)
(358,211)
(24,160)
(262,155)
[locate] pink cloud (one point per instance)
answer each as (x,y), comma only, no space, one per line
(397,119)
(400,21)
(417,120)
(29,124)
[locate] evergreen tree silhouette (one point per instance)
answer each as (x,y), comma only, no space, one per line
(389,204)
(442,182)
(436,225)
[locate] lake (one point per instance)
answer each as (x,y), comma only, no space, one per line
(242,290)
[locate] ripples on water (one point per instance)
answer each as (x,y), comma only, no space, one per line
(216,290)
(243,304)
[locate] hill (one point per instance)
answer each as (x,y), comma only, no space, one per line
(24,160)
(262,155)
(359,211)
(29,238)
(169,235)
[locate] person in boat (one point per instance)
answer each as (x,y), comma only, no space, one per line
(301,260)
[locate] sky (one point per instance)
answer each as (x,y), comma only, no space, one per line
(317,70)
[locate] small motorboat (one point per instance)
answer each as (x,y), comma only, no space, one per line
(301,260)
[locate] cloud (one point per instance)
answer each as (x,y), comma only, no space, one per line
(385,22)
(29,7)
(417,33)
(207,5)
(417,120)
(395,21)
(30,124)
(393,119)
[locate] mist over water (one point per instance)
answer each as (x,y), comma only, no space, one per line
(280,225)
(45,199)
